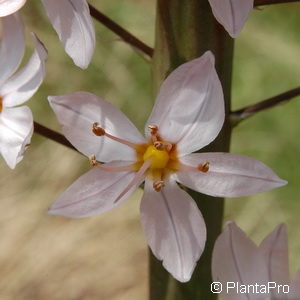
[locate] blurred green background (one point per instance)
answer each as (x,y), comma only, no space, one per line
(105,257)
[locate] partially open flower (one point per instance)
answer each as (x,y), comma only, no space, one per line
(16,123)
(254,272)
(188,114)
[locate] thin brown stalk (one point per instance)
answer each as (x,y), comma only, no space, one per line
(268,2)
(248,111)
(120,31)
(52,135)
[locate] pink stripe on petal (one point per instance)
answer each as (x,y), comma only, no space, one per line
(93,193)
(229,175)
(137,180)
(275,250)
(174,228)
(189,108)
(236,259)
(78,111)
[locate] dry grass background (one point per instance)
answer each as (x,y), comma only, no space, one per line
(105,257)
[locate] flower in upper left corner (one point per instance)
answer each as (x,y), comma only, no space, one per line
(8,7)
(16,123)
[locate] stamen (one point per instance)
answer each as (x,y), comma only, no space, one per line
(99,131)
(93,160)
(203,167)
(158,185)
(163,146)
(158,145)
(153,131)
(139,177)
(127,168)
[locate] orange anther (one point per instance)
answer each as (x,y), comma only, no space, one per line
(93,160)
(204,167)
(98,130)
(153,129)
(158,185)
(159,145)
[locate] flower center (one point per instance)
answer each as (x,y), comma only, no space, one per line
(159,158)
(156,159)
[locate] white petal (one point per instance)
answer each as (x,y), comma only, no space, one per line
(8,7)
(16,128)
(94,192)
(78,111)
(232,14)
(295,288)
(72,21)
(189,109)
(174,228)
(229,175)
(236,259)
(12,45)
(21,86)
(274,248)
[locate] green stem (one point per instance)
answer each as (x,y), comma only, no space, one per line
(185,29)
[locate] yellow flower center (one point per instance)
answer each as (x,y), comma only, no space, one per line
(159,158)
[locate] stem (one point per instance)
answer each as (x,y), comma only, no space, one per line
(52,135)
(185,29)
(268,2)
(244,113)
(120,31)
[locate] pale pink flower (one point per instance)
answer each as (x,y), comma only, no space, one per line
(71,20)
(188,114)
(232,14)
(238,260)
(16,123)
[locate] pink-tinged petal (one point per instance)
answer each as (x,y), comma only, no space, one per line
(274,248)
(8,7)
(16,128)
(294,293)
(229,175)
(236,259)
(78,111)
(174,228)
(94,192)
(72,21)
(21,86)
(232,14)
(12,45)
(189,109)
